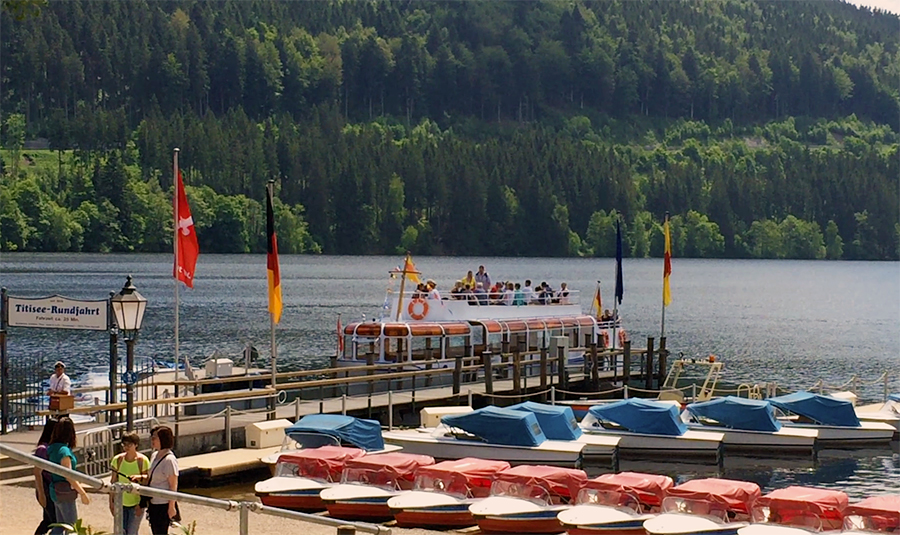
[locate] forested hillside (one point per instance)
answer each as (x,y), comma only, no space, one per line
(766,129)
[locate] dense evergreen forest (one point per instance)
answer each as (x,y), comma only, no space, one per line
(766,129)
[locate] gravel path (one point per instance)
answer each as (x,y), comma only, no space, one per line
(20,514)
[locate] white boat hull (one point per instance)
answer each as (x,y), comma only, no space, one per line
(504,514)
(429,509)
(787,440)
(692,444)
(684,524)
(290,492)
(596,519)
(867,433)
(358,502)
(421,441)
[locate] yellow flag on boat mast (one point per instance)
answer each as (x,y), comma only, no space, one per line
(409,269)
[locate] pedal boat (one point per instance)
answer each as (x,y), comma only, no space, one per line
(705,507)
(527,499)
(489,433)
(558,423)
(887,412)
(749,426)
(615,504)
(797,510)
(878,514)
(443,492)
(652,429)
(300,477)
(835,420)
(367,483)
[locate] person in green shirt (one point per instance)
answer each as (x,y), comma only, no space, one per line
(125,466)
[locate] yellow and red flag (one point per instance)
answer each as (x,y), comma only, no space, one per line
(412,274)
(667,265)
(597,305)
(274,275)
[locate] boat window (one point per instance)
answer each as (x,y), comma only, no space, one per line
(448,484)
(674,504)
(534,493)
(314,440)
(367,476)
(610,498)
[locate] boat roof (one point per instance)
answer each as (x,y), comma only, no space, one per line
(738,413)
(499,426)
(824,410)
(408,328)
(648,488)
(884,509)
(794,501)
(326,461)
(642,416)
(464,473)
(735,495)
(565,482)
(557,421)
(365,434)
(894,397)
(398,465)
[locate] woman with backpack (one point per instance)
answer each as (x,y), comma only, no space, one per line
(126,467)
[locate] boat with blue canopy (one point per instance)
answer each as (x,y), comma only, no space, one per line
(489,433)
(316,430)
(749,425)
(651,429)
(558,423)
(835,420)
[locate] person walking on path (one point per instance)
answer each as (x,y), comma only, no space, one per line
(163,475)
(60,384)
(42,480)
(63,491)
(126,467)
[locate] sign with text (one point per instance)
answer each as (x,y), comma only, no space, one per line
(58,312)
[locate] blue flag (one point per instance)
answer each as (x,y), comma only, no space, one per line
(620,286)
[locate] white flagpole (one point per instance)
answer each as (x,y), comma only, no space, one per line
(175,246)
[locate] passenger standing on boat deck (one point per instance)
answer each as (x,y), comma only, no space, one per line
(562,296)
(469,280)
(432,290)
(60,384)
(127,467)
(528,292)
(519,296)
(483,277)
(509,295)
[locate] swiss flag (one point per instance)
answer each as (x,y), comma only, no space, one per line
(186,247)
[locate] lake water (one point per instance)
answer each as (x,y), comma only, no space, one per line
(790,322)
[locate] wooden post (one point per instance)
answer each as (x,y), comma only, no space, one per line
(488,365)
(626,362)
(648,371)
(595,368)
(457,374)
(543,368)
(429,354)
(517,371)
(663,353)
(467,350)
(561,364)
(370,361)
(346,530)
(332,365)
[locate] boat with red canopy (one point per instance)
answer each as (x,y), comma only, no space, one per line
(708,506)
(300,477)
(805,507)
(367,483)
(616,504)
(878,514)
(527,499)
(443,492)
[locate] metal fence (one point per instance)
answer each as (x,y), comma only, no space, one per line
(97,446)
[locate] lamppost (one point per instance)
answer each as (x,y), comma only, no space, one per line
(128,306)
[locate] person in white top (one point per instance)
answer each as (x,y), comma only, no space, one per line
(562,296)
(528,292)
(433,293)
(60,384)
(509,295)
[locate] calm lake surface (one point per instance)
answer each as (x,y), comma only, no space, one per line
(789,322)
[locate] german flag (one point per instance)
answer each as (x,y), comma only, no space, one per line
(275,303)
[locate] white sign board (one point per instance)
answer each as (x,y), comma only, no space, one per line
(58,312)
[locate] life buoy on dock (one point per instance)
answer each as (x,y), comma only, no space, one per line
(418,308)
(604,339)
(623,337)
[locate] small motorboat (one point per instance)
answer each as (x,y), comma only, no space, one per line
(878,514)
(368,482)
(527,499)
(749,426)
(316,430)
(489,433)
(705,507)
(651,429)
(615,504)
(558,423)
(800,508)
(443,492)
(887,412)
(301,475)
(835,420)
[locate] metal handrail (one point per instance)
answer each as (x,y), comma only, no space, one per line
(117,489)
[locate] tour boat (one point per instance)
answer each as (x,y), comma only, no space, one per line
(651,429)
(443,492)
(749,426)
(315,430)
(834,419)
(489,433)
(558,423)
(705,507)
(527,499)
(878,514)
(368,482)
(615,504)
(796,507)
(300,477)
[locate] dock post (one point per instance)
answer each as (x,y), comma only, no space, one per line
(488,365)
(370,361)
(369,408)
(228,426)
(390,411)
(429,355)
(344,404)
(543,368)
(663,353)
(297,408)
(648,372)
(595,368)
(517,371)
(561,364)
(346,530)
(625,391)
(457,374)
(469,394)
(118,511)
(553,395)
(626,362)
(245,518)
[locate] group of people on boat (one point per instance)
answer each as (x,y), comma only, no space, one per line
(476,288)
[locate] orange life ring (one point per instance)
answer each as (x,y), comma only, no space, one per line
(623,337)
(412,308)
(604,339)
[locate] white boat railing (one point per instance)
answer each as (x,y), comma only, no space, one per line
(243,507)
